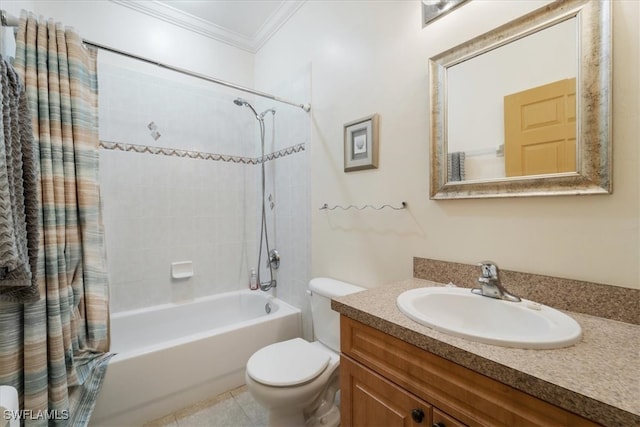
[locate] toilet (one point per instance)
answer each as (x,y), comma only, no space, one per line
(296,379)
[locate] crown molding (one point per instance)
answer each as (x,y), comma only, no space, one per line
(171,15)
(277,19)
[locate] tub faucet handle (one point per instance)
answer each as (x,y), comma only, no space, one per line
(274,259)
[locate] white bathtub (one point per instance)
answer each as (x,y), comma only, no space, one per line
(175,355)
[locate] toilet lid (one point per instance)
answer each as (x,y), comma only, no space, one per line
(287,363)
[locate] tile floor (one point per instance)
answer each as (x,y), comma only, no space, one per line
(235,408)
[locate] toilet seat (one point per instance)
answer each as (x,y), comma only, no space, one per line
(287,363)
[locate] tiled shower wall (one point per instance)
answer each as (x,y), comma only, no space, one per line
(176,206)
(287,181)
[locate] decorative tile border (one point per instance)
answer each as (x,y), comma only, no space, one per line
(174,152)
(284,152)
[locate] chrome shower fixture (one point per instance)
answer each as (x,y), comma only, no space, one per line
(270,110)
(273,262)
(243,102)
(274,259)
(240,102)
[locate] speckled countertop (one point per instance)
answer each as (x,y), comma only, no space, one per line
(599,378)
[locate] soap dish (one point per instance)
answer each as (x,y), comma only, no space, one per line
(182,269)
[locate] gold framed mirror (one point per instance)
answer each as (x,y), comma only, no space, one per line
(525,109)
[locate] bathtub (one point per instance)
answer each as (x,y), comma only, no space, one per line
(174,355)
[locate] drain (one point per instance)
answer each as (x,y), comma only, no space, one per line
(267,308)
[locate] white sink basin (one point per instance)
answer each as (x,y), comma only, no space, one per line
(459,312)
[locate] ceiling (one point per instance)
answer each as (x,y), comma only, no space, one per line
(245,24)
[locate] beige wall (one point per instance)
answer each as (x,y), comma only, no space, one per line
(371,56)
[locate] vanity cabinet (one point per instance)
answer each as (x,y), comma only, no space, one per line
(387,382)
(375,401)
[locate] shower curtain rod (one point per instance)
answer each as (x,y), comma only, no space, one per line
(10,21)
(305,107)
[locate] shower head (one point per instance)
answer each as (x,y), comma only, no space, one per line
(243,102)
(240,102)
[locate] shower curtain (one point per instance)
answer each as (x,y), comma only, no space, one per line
(55,350)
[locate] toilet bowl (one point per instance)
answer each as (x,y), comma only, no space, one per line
(297,380)
(294,382)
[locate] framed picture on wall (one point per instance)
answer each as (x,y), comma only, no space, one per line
(361,144)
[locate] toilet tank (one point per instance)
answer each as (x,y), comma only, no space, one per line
(326,322)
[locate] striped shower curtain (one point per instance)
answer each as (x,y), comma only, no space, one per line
(55,350)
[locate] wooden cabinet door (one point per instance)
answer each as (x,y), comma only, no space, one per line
(440,419)
(369,400)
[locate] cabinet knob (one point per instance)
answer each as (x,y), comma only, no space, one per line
(438,425)
(417,415)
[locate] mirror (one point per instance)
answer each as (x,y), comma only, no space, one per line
(524,110)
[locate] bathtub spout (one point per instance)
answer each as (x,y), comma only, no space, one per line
(265,286)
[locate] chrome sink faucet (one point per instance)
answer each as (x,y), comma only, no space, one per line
(490,285)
